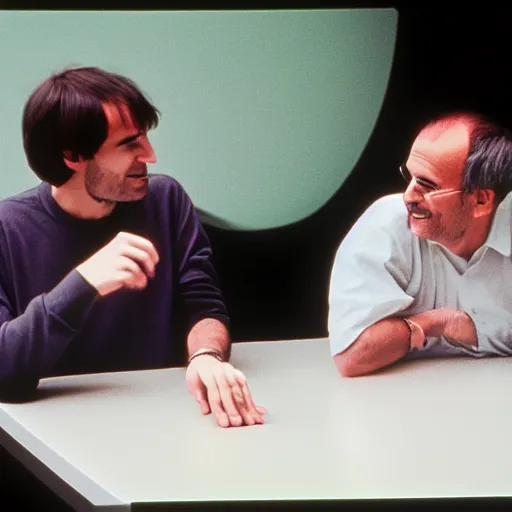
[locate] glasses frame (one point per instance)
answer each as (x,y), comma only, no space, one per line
(434,192)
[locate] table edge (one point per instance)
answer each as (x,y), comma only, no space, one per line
(73,486)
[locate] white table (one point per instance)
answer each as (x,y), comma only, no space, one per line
(432,428)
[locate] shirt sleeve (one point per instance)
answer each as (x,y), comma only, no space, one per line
(31,343)
(200,295)
(494,332)
(371,271)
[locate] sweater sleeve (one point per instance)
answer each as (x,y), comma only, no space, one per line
(31,343)
(199,290)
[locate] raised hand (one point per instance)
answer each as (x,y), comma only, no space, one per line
(127,261)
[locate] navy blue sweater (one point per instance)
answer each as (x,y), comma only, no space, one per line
(53,322)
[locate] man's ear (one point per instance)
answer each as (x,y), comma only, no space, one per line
(485,202)
(73,161)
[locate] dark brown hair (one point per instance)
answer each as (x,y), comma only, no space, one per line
(65,113)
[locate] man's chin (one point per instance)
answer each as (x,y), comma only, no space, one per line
(134,195)
(418,227)
(123,198)
(132,198)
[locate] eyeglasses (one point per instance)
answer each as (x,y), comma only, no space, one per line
(427,188)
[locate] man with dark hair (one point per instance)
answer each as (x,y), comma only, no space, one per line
(102,262)
(425,274)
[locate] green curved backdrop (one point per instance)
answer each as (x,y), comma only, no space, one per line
(264,113)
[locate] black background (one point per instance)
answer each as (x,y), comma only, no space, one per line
(276,282)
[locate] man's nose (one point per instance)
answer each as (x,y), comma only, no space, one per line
(148,156)
(411,194)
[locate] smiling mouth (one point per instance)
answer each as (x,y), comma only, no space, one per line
(420,215)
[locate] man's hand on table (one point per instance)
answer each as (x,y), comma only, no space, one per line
(223,390)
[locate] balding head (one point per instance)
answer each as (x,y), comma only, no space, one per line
(471,147)
(444,144)
(440,126)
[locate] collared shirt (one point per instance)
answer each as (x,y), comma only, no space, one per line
(382,269)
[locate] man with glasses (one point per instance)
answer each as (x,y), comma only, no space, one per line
(426,273)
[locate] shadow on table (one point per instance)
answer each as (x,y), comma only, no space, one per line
(56,390)
(409,366)
(399,367)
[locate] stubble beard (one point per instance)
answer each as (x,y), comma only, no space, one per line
(106,188)
(439,232)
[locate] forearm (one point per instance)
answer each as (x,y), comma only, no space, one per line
(200,298)
(388,340)
(209,333)
(379,345)
(454,325)
(32,343)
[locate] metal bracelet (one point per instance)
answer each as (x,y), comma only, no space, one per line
(415,330)
(203,352)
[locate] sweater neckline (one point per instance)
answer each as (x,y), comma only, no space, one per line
(56,211)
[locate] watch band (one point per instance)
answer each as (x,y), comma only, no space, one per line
(206,352)
(417,339)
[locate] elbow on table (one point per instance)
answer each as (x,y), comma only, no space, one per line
(346,365)
(345,360)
